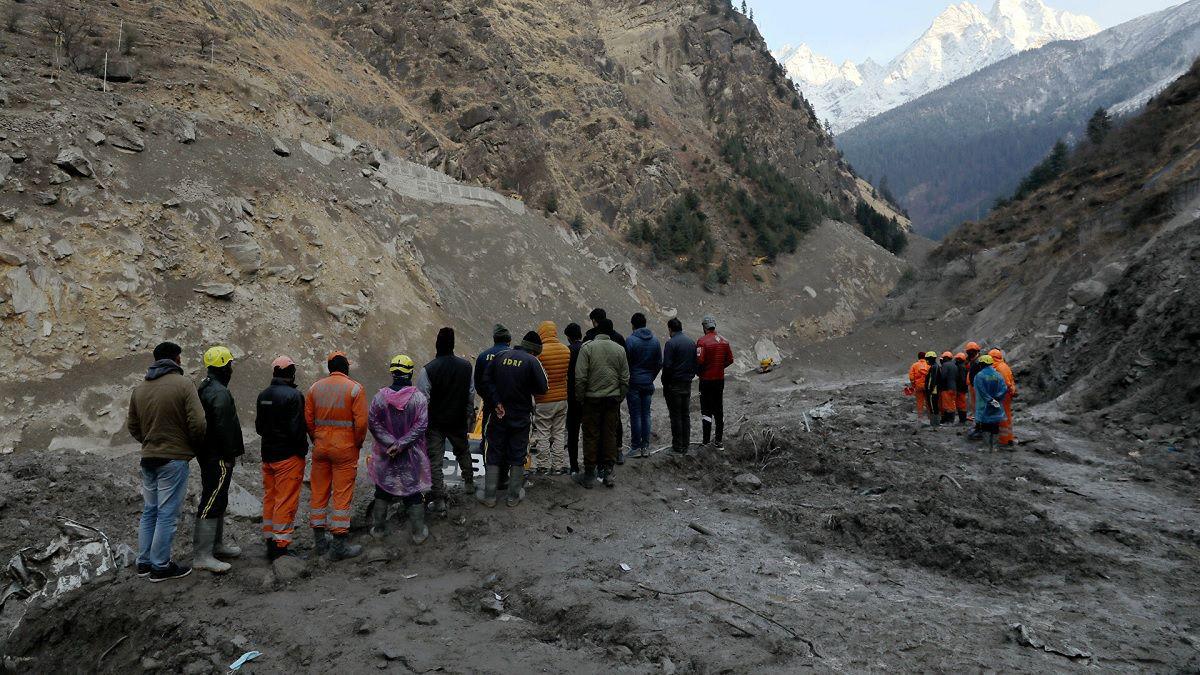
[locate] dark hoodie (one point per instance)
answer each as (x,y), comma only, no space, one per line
(645,357)
(165,414)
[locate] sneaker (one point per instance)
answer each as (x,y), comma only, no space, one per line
(144,570)
(172,571)
(620,457)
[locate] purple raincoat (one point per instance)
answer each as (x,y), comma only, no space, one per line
(398,420)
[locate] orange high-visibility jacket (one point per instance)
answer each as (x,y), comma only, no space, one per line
(335,411)
(917,373)
(1002,368)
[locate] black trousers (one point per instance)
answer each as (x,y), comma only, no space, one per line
(712,408)
(389,498)
(601,431)
(215,475)
(574,420)
(508,441)
(679,404)
(435,446)
(489,418)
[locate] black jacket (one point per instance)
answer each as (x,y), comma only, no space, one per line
(616,337)
(962,376)
(446,380)
(574,346)
(223,438)
(482,363)
(513,379)
(679,359)
(279,419)
(947,376)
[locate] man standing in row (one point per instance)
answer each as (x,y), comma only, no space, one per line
(280,423)
(220,450)
(167,418)
(446,381)
(601,382)
(917,373)
(513,379)
(550,417)
(645,361)
(713,356)
(574,409)
(335,412)
(678,371)
(501,339)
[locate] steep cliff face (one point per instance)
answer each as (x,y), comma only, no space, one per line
(609,108)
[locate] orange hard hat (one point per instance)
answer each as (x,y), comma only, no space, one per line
(972,346)
(333,355)
(996,354)
(960,356)
(947,355)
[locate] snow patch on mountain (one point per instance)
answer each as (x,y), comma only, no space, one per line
(960,41)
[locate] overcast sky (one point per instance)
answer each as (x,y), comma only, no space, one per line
(881,29)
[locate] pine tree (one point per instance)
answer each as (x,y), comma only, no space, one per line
(751,15)
(744,7)
(1099,126)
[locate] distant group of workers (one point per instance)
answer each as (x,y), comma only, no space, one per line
(539,397)
(970,385)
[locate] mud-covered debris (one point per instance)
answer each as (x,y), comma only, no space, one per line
(492,603)
(748,480)
(1024,637)
(621,589)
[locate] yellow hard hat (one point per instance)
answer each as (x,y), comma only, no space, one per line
(217,357)
(931,355)
(986,360)
(401,364)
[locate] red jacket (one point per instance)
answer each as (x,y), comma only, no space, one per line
(713,356)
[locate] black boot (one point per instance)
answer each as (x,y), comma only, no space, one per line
(379,513)
(586,479)
(516,485)
(341,548)
(320,541)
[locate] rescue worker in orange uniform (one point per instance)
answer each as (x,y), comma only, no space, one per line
(960,397)
(335,411)
(280,422)
(916,380)
(1006,436)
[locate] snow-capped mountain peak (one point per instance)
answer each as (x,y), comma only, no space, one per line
(959,41)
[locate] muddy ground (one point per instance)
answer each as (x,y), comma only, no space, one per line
(862,542)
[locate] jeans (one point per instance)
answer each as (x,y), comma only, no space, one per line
(163,490)
(679,404)
(712,408)
(639,398)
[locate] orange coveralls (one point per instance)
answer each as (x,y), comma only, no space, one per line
(1006,436)
(916,377)
(335,410)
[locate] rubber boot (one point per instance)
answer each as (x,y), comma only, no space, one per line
(202,547)
(416,524)
(586,479)
(438,507)
(379,513)
(320,541)
(341,548)
(223,550)
(491,478)
(516,485)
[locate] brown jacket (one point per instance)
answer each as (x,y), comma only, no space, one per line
(165,414)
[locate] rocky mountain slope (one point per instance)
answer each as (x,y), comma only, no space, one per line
(1090,283)
(951,153)
(273,191)
(960,41)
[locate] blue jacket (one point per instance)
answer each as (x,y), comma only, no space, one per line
(482,362)
(989,386)
(679,359)
(645,357)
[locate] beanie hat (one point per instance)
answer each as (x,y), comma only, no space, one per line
(501,334)
(445,341)
(532,343)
